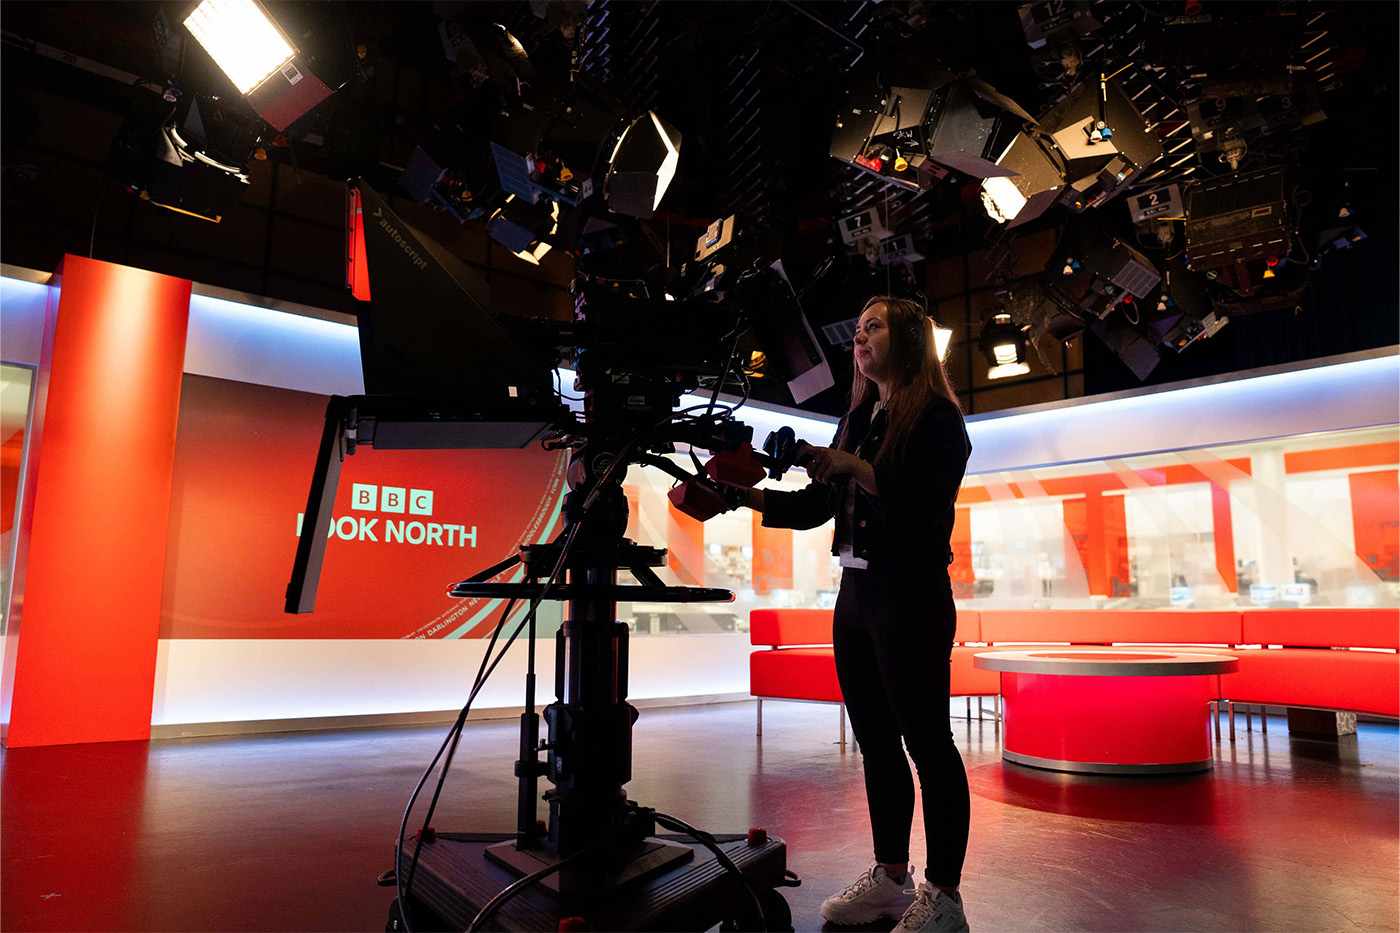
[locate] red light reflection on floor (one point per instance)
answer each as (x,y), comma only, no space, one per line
(1188,800)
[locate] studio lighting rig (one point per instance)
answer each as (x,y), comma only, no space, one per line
(914,132)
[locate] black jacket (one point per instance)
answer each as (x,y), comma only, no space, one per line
(910,522)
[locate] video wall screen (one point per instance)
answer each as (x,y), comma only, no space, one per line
(407,524)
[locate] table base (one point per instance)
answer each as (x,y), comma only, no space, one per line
(1109,725)
(1100,767)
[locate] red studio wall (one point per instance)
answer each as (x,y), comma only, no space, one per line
(80,649)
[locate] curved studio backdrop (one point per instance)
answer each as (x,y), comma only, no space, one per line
(1279,489)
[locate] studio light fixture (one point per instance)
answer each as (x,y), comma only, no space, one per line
(1004,346)
(642,165)
(842,334)
(1103,139)
(1036,182)
(1092,272)
(1236,224)
(913,135)
(193,163)
(265,65)
(554,138)
(241,38)
(942,338)
(1084,151)
(524,228)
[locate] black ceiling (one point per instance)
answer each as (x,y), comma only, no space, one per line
(754,88)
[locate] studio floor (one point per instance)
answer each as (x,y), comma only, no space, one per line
(289,831)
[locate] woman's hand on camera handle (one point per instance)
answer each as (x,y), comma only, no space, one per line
(824,464)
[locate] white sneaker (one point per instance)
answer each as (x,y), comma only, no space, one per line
(933,910)
(871,896)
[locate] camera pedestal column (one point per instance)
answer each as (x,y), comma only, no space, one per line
(670,883)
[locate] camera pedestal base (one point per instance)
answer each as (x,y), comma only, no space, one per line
(456,877)
(651,856)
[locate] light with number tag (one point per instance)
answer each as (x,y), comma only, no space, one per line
(1161,202)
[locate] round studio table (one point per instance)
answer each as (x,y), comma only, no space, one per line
(1108,710)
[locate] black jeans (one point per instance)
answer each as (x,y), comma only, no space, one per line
(893,643)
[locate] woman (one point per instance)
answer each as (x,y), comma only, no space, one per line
(890,480)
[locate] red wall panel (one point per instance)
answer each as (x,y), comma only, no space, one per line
(1099,526)
(772,557)
(685,546)
(1375,520)
(84,639)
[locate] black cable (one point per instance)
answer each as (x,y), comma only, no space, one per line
(822,269)
(401,887)
(670,822)
(454,737)
(726,412)
(520,884)
(728,364)
(708,841)
(483,674)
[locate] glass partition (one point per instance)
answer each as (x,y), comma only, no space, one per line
(16,396)
(1308,520)
(1286,522)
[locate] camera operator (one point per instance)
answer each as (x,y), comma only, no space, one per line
(890,480)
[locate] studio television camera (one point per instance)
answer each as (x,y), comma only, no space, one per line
(443,371)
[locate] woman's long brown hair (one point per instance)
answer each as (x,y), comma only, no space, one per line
(918,375)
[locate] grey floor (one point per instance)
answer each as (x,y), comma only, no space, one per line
(287,832)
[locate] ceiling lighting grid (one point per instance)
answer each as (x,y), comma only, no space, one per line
(595,42)
(741,173)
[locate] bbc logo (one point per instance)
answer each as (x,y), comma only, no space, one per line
(368,498)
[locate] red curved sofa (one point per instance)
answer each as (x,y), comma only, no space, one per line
(1326,658)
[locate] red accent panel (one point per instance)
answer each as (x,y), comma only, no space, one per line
(1104,482)
(1180,473)
(1325,628)
(1368,681)
(1108,720)
(772,557)
(794,674)
(960,571)
(356,260)
(10,467)
(1075,514)
(110,377)
(790,627)
(1108,626)
(634,511)
(1115,546)
(1342,458)
(973,495)
(685,546)
(1375,521)
(1223,529)
(1099,527)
